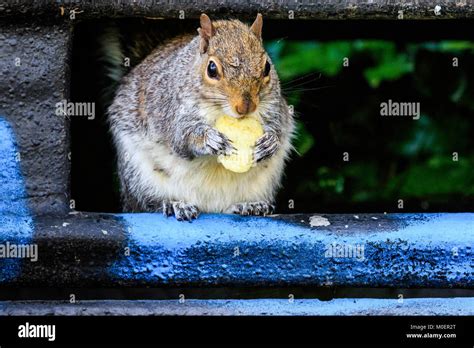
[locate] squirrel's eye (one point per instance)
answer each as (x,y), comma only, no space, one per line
(266,71)
(212,70)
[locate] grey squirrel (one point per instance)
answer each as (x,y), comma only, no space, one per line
(162,123)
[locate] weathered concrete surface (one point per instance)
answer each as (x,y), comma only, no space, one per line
(320,9)
(340,307)
(135,250)
(33,78)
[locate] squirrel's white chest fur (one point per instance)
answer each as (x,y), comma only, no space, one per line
(201,181)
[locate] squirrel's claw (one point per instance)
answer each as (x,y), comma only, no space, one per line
(266,146)
(182,211)
(167,209)
(251,208)
(218,143)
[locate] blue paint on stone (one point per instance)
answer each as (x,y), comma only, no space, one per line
(263,306)
(419,250)
(340,307)
(357,306)
(15,219)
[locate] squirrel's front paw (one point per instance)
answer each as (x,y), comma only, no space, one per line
(266,146)
(251,208)
(182,211)
(217,143)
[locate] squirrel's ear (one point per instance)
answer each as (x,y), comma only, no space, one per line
(257,25)
(206,32)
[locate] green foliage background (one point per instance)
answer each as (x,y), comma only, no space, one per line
(338,110)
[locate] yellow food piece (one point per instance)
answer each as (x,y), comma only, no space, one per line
(243,133)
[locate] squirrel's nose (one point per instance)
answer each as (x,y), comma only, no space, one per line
(245,107)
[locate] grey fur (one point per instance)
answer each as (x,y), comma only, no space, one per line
(160,102)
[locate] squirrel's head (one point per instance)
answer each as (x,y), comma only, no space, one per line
(235,69)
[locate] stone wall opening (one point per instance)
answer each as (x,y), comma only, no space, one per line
(383,111)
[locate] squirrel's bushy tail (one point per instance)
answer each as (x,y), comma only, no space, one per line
(111,58)
(122,44)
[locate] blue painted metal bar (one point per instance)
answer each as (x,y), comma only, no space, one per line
(340,307)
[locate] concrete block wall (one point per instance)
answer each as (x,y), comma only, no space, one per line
(33,74)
